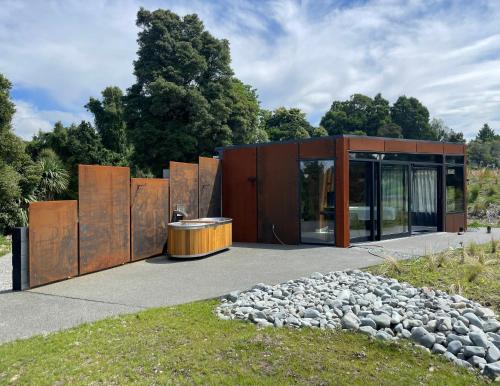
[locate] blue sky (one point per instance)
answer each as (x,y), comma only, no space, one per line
(295,53)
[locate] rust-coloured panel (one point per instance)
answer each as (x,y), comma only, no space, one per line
(239,192)
(149,216)
(342,193)
(455,221)
(277,186)
(366,144)
(104,215)
(317,148)
(454,148)
(398,146)
(429,147)
(184,188)
(53,241)
(209,187)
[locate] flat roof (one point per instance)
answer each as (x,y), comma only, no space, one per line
(222,148)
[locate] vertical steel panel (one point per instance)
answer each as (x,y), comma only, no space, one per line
(317,148)
(104,214)
(342,193)
(210,187)
(53,241)
(239,192)
(455,221)
(278,198)
(184,188)
(149,216)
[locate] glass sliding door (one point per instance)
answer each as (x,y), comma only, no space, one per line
(424,199)
(317,201)
(394,200)
(362,200)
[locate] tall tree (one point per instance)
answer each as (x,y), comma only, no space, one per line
(486,134)
(413,118)
(185,101)
(19,175)
(283,124)
(441,132)
(109,118)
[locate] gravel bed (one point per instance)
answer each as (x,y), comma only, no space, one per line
(6,272)
(451,325)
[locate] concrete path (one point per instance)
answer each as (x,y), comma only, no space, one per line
(161,282)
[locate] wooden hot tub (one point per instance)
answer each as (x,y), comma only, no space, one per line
(200,237)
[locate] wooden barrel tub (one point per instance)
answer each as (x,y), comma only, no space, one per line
(200,237)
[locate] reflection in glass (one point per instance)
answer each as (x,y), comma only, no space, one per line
(317,222)
(394,199)
(424,214)
(361,200)
(455,189)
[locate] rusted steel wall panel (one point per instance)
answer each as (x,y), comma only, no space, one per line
(342,193)
(278,197)
(317,148)
(452,148)
(430,147)
(184,188)
(209,187)
(366,144)
(455,221)
(53,241)
(104,214)
(149,216)
(398,146)
(239,192)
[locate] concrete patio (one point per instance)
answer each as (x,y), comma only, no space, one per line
(161,282)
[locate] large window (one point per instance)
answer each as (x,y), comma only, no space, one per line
(317,201)
(455,189)
(394,199)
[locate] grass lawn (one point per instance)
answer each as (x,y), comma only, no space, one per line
(188,344)
(5,245)
(473,272)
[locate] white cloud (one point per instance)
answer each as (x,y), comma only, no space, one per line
(29,120)
(303,54)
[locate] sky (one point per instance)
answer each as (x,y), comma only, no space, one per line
(302,54)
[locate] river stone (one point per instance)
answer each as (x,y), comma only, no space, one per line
(367,330)
(316,276)
(473,319)
(479,339)
(383,335)
(311,313)
(454,347)
(474,350)
(382,320)
(493,354)
(492,370)
(476,361)
(421,336)
(438,349)
(460,327)
(491,325)
(368,322)
(350,321)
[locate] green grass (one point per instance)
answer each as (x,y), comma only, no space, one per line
(483,188)
(5,245)
(473,272)
(188,344)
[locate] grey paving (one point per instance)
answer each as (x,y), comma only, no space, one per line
(5,272)
(162,282)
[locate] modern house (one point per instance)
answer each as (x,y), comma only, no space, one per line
(343,189)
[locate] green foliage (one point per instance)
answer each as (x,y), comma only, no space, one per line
(486,134)
(54,179)
(484,150)
(187,344)
(360,114)
(283,124)
(440,132)
(19,175)
(390,130)
(413,118)
(109,117)
(185,101)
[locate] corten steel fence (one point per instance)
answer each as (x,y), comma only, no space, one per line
(209,187)
(53,241)
(116,220)
(149,216)
(104,216)
(184,188)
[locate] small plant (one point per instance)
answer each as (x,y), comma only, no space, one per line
(474,271)
(456,288)
(494,245)
(391,265)
(473,249)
